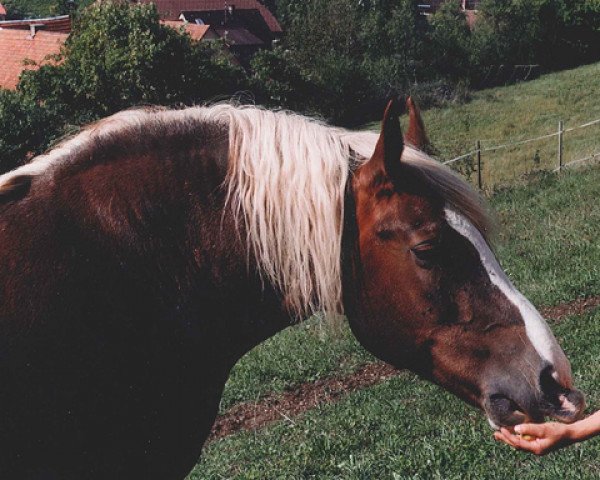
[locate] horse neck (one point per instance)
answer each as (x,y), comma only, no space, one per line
(164,216)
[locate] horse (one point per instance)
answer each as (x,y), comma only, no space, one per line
(143,257)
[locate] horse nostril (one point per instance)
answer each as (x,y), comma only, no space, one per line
(503,404)
(561,403)
(549,387)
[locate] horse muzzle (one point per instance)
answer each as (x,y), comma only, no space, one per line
(510,404)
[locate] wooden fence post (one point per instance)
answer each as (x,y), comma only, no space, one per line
(560,145)
(479,180)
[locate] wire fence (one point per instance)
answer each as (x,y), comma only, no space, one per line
(544,156)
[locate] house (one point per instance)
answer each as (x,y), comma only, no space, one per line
(246,25)
(60,24)
(26,44)
(195,31)
(18,45)
(257,17)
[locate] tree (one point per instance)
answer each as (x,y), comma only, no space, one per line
(553,33)
(25,129)
(450,42)
(506,32)
(569,33)
(278,81)
(349,54)
(119,55)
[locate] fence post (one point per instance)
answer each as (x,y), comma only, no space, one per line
(560,145)
(478,148)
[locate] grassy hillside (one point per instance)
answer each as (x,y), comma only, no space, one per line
(406,428)
(526,110)
(519,112)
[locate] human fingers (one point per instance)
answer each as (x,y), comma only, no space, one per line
(535,430)
(507,437)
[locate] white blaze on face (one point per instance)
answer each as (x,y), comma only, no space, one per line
(538,332)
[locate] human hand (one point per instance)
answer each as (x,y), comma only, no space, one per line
(539,439)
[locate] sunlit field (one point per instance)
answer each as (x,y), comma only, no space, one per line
(515,113)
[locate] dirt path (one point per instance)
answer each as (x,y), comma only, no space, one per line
(303,397)
(575,307)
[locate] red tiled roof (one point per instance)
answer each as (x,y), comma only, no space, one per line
(2,10)
(239,36)
(197,32)
(172,8)
(60,24)
(16,46)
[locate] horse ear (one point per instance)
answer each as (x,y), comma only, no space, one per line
(416,135)
(390,144)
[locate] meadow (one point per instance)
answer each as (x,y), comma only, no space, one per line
(519,112)
(405,428)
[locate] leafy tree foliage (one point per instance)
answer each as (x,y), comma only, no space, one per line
(450,43)
(349,54)
(569,33)
(19,9)
(278,80)
(552,33)
(396,49)
(119,56)
(25,128)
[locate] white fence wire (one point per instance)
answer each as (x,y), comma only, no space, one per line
(559,133)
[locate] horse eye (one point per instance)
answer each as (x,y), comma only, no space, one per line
(426,252)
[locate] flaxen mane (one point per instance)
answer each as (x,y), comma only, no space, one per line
(286,182)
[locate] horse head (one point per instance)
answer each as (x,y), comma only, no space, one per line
(427,293)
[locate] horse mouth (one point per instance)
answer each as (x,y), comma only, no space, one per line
(502,411)
(565,406)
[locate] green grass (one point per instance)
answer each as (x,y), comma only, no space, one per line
(410,429)
(303,353)
(549,238)
(518,112)
(406,428)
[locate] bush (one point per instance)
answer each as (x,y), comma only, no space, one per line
(552,33)
(506,32)
(278,81)
(25,129)
(450,43)
(119,56)
(341,58)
